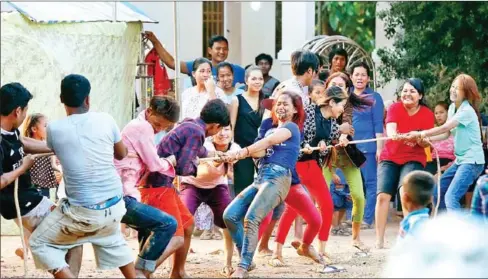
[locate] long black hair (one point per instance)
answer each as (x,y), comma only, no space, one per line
(196,64)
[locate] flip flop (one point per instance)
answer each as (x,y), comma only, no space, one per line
(331,269)
(361,247)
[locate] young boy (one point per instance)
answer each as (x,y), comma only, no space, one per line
(155,228)
(416,196)
(342,202)
(185,142)
(85,144)
(211,186)
(14,100)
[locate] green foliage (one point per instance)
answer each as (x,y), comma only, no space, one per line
(355,20)
(435,41)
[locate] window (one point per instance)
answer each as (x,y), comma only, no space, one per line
(213,22)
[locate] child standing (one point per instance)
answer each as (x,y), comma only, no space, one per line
(341,196)
(416,196)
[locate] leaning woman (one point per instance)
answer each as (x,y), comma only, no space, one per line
(464,123)
(273,181)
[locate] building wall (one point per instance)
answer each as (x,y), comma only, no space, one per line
(190,20)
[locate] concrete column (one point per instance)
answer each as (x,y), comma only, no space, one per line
(232,26)
(387,90)
(298,26)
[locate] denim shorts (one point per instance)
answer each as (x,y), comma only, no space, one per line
(390,175)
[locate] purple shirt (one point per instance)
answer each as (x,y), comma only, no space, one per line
(185,141)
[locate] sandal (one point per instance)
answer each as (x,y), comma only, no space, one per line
(227,271)
(332,269)
(217,235)
(206,235)
(276,262)
(338,231)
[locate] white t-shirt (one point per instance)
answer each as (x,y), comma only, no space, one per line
(84,144)
(194,101)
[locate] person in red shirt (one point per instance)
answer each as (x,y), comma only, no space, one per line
(399,157)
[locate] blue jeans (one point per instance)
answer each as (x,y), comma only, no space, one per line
(155,229)
(455,183)
(369,172)
(270,187)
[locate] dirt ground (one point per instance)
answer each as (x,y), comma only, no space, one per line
(204,264)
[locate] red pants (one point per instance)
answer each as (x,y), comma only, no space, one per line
(298,201)
(312,178)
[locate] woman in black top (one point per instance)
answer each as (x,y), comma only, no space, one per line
(246,114)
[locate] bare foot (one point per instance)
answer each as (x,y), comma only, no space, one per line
(19,252)
(177,275)
(264,252)
(326,257)
(310,252)
(295,244)
(380,244)
(277,261)
(240,273)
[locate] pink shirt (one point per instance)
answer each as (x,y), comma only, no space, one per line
(445,148)
(138,136)
(209,175)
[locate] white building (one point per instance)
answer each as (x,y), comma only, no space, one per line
(250,28)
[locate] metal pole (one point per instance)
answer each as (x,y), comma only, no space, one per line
(115,12)
(177,59)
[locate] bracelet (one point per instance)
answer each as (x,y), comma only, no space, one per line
(248,153)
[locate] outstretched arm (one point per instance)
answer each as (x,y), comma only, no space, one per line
(33,146)
(164,55)
(279,136)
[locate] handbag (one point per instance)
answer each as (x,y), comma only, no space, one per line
(355,155)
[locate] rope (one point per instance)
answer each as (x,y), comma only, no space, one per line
(19,217)
(399,136)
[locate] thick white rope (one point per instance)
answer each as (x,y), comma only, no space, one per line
(19,217)
(373,140)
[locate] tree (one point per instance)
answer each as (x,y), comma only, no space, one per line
(355,20)
(435,41)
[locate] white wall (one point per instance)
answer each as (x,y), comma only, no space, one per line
(257,31)
(190,27)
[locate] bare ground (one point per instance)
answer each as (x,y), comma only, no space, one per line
(205,264)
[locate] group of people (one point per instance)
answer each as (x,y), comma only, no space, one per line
(272,147)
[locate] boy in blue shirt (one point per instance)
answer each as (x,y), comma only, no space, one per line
(416,196)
